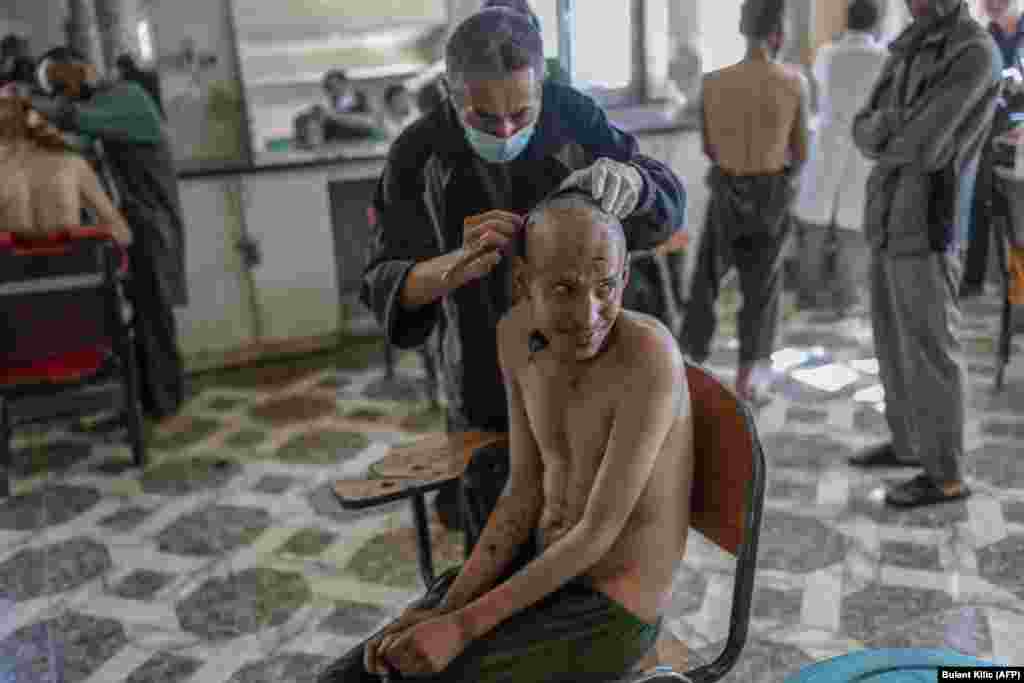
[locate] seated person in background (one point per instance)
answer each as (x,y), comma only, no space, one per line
(347,114)
(601,454)
(399,110)
(45,186)
(128,70)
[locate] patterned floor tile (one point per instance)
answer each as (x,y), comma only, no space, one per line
(165,667)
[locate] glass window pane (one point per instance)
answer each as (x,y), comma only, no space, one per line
(721,43)
(604,43)
(547,12)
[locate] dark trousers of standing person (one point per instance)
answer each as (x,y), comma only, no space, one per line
(161,371)
(980,234)
(834,280)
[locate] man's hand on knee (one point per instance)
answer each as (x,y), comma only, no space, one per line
(426,648)
(372,660)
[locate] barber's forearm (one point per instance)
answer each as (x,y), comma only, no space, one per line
(507,529)
(425,283)
(572,555)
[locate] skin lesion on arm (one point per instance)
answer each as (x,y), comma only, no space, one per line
(94,196)
(518,509)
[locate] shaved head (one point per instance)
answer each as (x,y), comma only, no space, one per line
(577,270)
(565,220)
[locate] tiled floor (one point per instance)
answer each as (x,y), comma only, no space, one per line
(228,558)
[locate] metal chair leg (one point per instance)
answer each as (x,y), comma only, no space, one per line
(423,549)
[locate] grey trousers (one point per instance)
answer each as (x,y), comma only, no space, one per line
(915,318)
(847,283)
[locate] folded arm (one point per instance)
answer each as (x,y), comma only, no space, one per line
(924,135)
(650,402)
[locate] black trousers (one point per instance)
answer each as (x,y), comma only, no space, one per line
(161,371)
(980,237)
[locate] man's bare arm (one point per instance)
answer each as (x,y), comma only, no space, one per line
(518,509)
(649,405)
(93,195)
(799,135)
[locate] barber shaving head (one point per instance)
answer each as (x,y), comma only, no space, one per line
(571,269)
(763,24)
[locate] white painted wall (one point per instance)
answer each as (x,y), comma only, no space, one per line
(206,22)
(41,20)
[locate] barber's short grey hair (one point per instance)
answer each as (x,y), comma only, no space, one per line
(571,199)
(490,44)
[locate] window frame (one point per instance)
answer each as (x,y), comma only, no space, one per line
(637,91)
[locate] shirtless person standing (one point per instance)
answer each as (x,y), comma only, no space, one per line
(45,186)
(755,136)
(601,451)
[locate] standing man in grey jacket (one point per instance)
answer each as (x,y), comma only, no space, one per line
(923,124)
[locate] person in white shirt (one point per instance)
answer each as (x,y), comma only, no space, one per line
(830,204)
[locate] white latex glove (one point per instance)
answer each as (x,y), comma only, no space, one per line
(616,185)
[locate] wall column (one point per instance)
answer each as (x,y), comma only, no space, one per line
(82,32)
(117,20)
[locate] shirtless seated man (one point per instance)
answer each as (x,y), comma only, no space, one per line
(601,464)
(45,186)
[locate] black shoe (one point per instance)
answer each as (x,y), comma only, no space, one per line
(883,455)
(447,507)
(921,490)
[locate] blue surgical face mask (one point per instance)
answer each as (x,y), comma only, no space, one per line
(498,150)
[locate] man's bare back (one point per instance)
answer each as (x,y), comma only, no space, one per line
(45,188)
(571,418)
(755,116)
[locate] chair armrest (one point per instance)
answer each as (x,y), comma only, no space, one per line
(421,466)
(358,494)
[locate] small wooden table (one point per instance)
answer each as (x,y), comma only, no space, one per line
(411,471)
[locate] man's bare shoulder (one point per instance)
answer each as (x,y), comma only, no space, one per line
(647,345)
(512,338)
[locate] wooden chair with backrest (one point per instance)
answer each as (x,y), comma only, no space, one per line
(726,504)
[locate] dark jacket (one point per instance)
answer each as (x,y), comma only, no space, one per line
(136,147)
(924,123)
(433,181)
